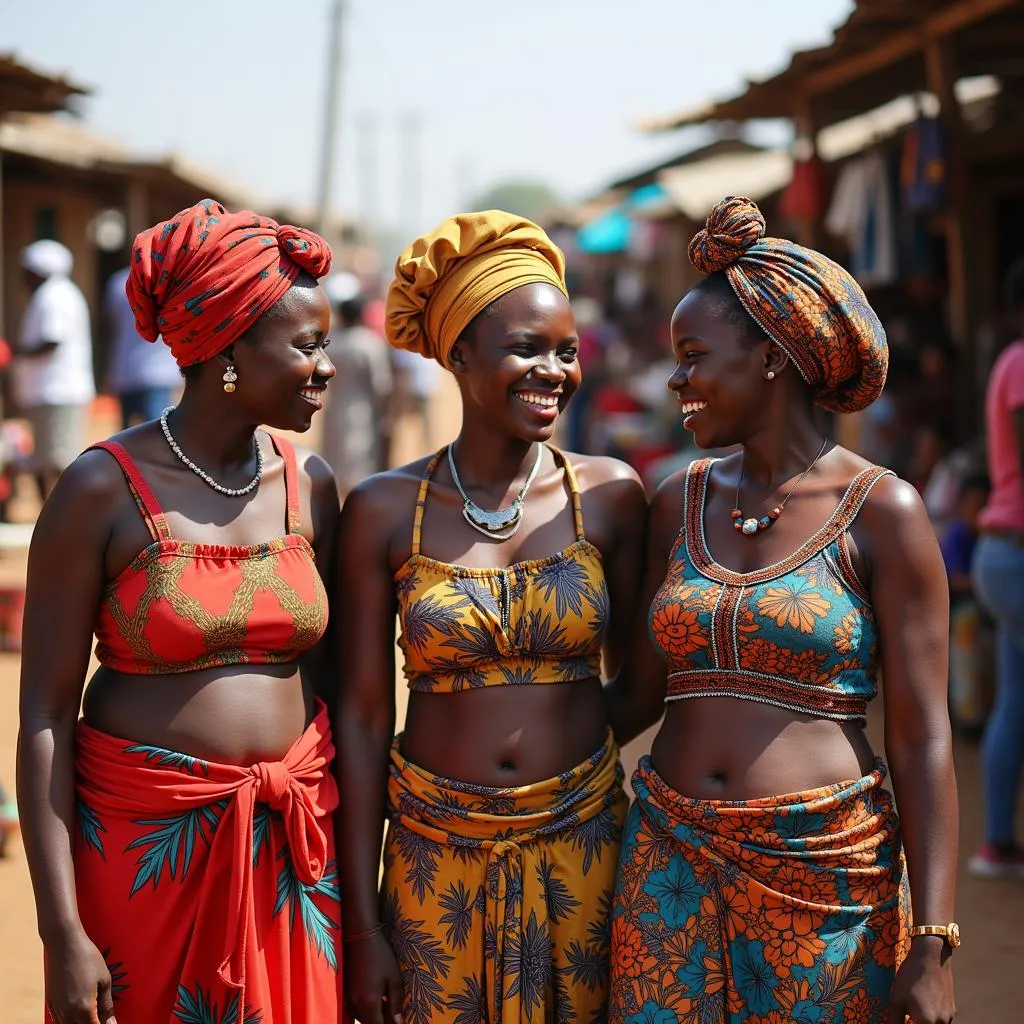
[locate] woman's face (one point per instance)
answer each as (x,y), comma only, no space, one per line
(518,364)
(719,377)
(282,364)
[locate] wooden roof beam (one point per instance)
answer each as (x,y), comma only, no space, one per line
(903,44)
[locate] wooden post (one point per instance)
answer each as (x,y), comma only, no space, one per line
(941,75)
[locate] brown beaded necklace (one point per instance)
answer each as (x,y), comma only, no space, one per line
(751,526)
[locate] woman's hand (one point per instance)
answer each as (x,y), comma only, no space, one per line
(923,989)
(373,980)
(78,985)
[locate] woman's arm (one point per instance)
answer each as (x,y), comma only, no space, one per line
(318,663)
(911,604)
(364,607)
(65,585)
(635,696)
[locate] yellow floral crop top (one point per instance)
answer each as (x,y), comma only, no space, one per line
(540,621)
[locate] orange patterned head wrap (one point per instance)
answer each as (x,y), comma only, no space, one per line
(203,278)
(809,306)
(444,279)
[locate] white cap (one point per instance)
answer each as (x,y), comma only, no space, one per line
(341,287)
(47,258)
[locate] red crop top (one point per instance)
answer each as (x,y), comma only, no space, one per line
(183,606)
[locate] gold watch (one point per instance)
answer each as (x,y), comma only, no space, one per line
(950,932)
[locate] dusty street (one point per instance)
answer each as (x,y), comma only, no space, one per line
(990,966)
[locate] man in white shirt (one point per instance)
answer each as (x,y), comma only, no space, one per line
(143,375)
(53,373)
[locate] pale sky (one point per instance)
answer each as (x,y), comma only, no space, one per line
(548,90)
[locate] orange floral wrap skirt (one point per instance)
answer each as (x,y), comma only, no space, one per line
(211,889)
(788,908)
(497,901)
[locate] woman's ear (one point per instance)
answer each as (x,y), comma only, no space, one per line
(775,361)
(457,357)
(226,356)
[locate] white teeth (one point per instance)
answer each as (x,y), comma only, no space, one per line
(692,407)
(544,401)
(313,394)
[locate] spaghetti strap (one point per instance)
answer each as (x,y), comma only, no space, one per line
(286,450)
(421,503)
(574,492)
(148,506)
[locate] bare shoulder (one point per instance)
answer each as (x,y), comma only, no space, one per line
(595,470)
(315,467)
(86,498)
(383,500)
(893,503)
(667,505)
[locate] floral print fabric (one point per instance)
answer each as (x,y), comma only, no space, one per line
(799,634)
(211,889)
(497,901)
(785,909)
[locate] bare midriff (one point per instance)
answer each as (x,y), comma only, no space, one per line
(240,714)
(505,735)
(723,748)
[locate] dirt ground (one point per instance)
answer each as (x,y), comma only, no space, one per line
(989,966)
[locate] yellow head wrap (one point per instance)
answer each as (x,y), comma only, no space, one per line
(444,279)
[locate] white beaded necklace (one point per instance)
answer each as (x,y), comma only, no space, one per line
(231,492)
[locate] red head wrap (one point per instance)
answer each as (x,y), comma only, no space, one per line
(203,278)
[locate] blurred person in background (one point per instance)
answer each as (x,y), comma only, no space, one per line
(999,581)
(503,795)
(358,419)
(179,834)
(416,383)
(8,819)
(142,376)
(762,872)
(53,372)
(970,633)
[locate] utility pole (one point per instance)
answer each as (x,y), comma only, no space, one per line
(332,103)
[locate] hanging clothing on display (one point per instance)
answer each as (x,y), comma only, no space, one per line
(863,213)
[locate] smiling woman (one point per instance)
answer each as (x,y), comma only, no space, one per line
(174,831)
(513,570)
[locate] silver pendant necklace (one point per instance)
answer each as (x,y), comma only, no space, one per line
(231,492)
(501,523)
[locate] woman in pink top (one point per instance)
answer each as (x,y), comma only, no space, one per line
(998,570)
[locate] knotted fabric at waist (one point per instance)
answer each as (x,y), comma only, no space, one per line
(128,779)
(509,827)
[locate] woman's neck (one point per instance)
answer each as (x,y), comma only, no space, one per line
(772,457)
(492,462)
(215,439)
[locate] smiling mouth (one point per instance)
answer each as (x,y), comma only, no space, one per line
(689,408)
(312,395)
(537,400)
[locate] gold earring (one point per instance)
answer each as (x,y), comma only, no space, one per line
(229,379)
(770,375)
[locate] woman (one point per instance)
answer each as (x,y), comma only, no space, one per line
(998,568)
(762,878)
(511,567)
(178,834)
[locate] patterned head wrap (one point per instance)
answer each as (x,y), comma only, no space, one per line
(809,306)
(203,278)
(444,279)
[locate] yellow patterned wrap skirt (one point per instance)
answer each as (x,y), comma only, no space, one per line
(497,902)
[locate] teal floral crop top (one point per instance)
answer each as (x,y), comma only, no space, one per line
(799,634)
